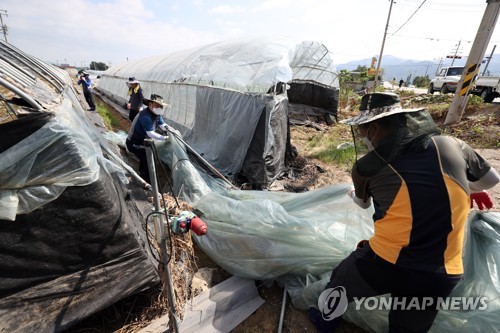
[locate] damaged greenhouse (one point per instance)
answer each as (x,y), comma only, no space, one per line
(243,90)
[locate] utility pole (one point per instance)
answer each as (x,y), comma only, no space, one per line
(382,48)
(471,69)
(489,59)
(456,51)
(3,27)
(439,65)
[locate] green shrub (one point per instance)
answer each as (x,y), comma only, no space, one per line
(475,100)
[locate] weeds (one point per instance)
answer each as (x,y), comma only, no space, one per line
(109,119)
(323,146)
(343,156)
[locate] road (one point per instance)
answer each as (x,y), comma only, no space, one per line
(417,91)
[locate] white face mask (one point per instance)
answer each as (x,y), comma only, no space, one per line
(158,111)
(368,143)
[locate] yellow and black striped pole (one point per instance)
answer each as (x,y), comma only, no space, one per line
(470,78)
(476,55)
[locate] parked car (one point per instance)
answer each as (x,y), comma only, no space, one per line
(446,80)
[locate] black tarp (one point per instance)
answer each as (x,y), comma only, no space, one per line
(72,256)
(321,101)
(264,162)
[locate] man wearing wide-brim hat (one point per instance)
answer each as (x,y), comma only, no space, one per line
(421,185)
(144,126)
(135,97)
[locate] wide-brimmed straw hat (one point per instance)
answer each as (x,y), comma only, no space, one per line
(377,105)
(155,98)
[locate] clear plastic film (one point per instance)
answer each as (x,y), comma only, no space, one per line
(36,170)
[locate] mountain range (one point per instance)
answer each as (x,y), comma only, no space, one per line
(407,69)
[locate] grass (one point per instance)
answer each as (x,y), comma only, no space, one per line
(110,119)
(344,156)
(323,145)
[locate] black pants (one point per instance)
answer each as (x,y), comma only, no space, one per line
(132,114)
(140,152)
(364,274)
(89,99)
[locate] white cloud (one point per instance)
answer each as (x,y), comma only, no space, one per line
(276,4)
(225,10)
(79,30)
(231,29)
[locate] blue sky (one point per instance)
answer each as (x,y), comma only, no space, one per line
(112,31)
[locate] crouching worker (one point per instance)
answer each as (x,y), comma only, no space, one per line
(144,126)
(422,186)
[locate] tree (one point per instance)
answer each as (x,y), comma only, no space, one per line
(363,73)
(421,81)
(98,66)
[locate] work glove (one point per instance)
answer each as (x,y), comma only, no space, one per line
(482,200)
(350,192)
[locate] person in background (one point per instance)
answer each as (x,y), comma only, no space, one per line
(144,126)
(401,83)
(86,83)
(422,186)
(135,99)
(393,82)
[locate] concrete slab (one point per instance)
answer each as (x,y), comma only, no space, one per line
(218,310)
(223,307)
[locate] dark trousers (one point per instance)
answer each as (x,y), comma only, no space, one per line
(89,99)
(140,152)
(364,274)
(132,114)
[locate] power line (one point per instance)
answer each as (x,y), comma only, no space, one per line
(431,4)
(411,16)
(430,38)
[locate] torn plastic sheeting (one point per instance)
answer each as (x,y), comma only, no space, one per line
(188,183)
(266,235)
(37,169)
